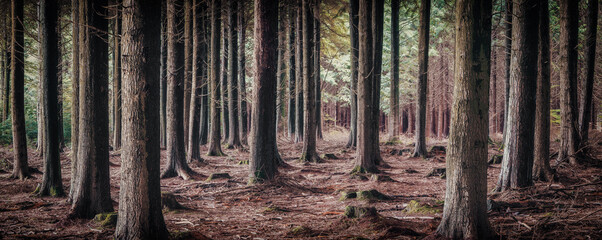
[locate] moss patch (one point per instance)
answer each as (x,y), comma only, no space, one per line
(381,178)
(347,195)
(416,207)
(359,212)
(273,208)
(372,194)
(107,220)
(329,156)
(243,162)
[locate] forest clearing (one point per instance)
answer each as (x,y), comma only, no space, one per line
(305,201)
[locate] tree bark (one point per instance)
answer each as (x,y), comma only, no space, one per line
(242,88)
(198,80)
(508,20)
(465,210)
(291,74)
(223,85)
(117,76)
(140,211)
(215,148)
(353,32)
(280,75)
(366,160)
(316,58)
(187,65)
(394,97)
(163,75)
(299,88)
(588,88)
(74,96)
(234,136)
(92,193)
(569,27)
(263,155)
(52,184)
(204,128)
(20,165)
(7,67)
(541,159)
(308,153)
(177,165)
(517,164)
(422,85)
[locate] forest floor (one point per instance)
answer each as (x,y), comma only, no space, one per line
(304,202)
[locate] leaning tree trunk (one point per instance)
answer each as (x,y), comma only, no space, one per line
(421,90)
(308,153)
(140,212)
(263,135)
(198,79)
(465,209)
(517,164)
(234,135)
(394,97)
(353,32)
(541,159)
(74,96)
(365,160)
(215,148)
(20,166)
(117,76)
(242,89)
(291,72)
(299,67)
(569,27)
(587,96)
(176,158)
(92,191)
(52,184)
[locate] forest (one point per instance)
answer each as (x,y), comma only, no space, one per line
(300,119)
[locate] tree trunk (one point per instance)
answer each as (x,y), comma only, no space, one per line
(569,27)
(300,72)
(353,32)
(204,125)
(215,148)
(308,153)
(117,76)
(187,65)
(241,78)
(92,193)
(465,209)
(507,63)
(316,58)
(177,165)
(7,67)
(421,90)
(234,140)
(588,88)
(163,75)
(394,97)
(198,80)
(517,164)
(52,184)
(541,159)
(366,160)
(20,165)
(263,156)
(291,74)
(280,75)
(140,210)
(74,97)
(493,106)
(225,126)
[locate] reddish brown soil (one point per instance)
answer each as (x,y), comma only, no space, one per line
(303,202)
